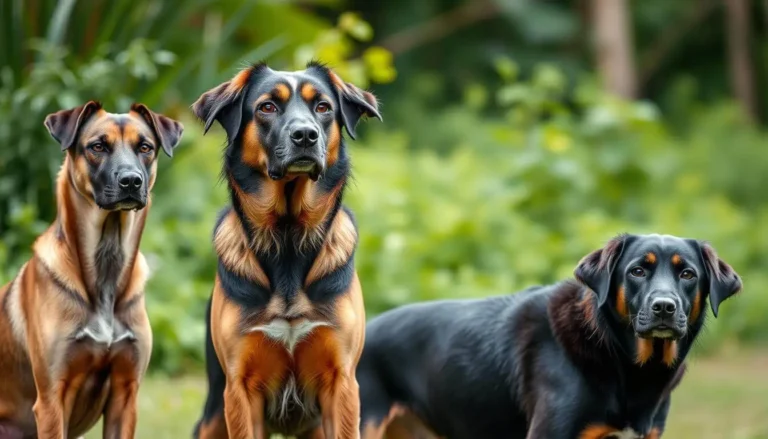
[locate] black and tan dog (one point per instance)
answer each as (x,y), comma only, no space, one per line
(286,319)
(591,360)
(74,335)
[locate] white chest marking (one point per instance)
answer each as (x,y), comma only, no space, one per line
(627,433)
(286,333)
(100,330)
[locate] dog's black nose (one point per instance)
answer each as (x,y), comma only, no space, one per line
(663,307)
(130,180)
(304,136)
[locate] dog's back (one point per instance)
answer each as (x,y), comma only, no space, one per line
(435,359)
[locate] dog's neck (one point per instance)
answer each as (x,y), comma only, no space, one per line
(91,251)
(288,212)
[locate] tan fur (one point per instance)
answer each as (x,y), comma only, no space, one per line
(282,92)
(338,82)
(400,423)
(262,211)
(226,90)
(600,431)
(644,351)
(241,79)
(334,144)
(650,258)
(695,309)
(308,92)
(670,352)
(621,303)
(654,434)
(55,393)
(340,242)
(676,259)
(323,364)
(311,208)
(232,249)
(254,154)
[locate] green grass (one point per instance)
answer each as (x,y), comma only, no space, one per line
(724,397)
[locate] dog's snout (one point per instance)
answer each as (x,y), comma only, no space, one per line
(304,136)
(130,180)
(663,307)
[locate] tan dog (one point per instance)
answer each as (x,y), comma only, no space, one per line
(75,340)
(286,319)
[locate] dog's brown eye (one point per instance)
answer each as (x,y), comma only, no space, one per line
(268,107)
(145,148)
(322,107)
(687,274)
(96,147)
(637,272)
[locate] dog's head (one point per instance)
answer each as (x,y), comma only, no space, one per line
(113,157)
(659,283)
(286,124)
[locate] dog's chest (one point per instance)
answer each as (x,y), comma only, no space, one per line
(288,333)
(293,358)
(104,330)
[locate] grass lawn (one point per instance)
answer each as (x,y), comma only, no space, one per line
(720,398)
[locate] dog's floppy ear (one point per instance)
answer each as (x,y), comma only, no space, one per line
(64,125)
(167,130)
(354,102)
(724,282)
(224,103)
(596,269)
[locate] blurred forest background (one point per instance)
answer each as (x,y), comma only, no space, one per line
(518,135)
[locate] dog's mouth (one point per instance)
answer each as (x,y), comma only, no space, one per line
(124,204)
(661,331)
(308,166)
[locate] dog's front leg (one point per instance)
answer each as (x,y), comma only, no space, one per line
(340,407)
(128,365)
(49,415)
(243,412)
(349,405)
(120,412)
(51,389)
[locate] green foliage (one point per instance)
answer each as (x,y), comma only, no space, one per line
(505,185)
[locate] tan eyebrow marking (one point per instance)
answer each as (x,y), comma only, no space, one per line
(282,92)
(308,92)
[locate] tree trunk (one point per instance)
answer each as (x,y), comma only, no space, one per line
(614,49)
(739,59)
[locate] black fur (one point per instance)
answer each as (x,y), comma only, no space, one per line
(288,260)
(544,363)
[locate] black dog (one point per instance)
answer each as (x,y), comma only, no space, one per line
(286,319)
(590,360)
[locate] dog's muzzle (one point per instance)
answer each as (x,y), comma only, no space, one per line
(661,318)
